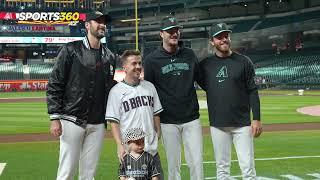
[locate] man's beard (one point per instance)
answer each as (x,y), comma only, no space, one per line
(223,50)
(97,34)
(172,42)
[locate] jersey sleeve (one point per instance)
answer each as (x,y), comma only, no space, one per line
(252,90)
(122,170)
(157,108)
(57,82)
(113,106)
(197,73)
(153,168)
(200,74)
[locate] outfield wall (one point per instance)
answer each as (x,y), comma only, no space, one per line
(38,85)
(23,85)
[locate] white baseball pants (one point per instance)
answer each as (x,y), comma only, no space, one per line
(241,137)
(191,135)
(81,147)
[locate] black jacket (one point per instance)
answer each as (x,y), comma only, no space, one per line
(173,75)
(71,93)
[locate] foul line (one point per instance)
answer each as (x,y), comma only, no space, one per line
(267,159)
(17,98)
(2,166)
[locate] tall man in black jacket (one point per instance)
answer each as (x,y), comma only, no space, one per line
(173,70)
(77,94)
(228,78)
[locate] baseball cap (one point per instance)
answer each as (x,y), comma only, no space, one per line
(169,23)
(133,134)
(93,15)
(218,28)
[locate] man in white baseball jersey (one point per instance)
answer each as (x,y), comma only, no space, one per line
(134,103)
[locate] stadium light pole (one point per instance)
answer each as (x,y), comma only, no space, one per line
(136,18)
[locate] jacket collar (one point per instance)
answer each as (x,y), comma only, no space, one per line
(87,45)
(166,52)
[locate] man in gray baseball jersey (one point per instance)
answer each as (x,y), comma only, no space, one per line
(76,98)
(173,70)
(134,103)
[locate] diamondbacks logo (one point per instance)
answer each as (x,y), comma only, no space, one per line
(222,74)
(220,25)
(136,102)
(172,20)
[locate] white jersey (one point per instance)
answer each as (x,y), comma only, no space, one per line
(134,107)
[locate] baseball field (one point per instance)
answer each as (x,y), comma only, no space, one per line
(289,148)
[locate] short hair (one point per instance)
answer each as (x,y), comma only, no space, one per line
(127,53)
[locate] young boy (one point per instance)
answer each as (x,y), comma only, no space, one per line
(137,164)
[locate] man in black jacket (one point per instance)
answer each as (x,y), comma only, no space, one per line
(77,94)
(173,70)
(228,78)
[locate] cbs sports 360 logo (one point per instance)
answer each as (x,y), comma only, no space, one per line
(53,17)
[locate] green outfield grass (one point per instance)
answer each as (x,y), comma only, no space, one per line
(38,161)
(23,118)
(22,94)
(32,117)
(201,93)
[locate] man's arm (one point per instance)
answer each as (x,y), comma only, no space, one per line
(156,112)
(254,100)
(256,124)
(199,77)
(147,68)
(55,91)
(115,129)
(157,126)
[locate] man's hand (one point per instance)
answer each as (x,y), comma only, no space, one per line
(55,128)
(121,152)
(256,128)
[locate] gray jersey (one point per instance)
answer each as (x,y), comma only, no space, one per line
(134,107)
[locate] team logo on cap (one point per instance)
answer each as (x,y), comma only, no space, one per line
(172,19)
(99,13)
(220,25)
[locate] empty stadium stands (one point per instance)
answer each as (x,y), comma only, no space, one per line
(15,71)
(290,69)
(11,71)
(40,71)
